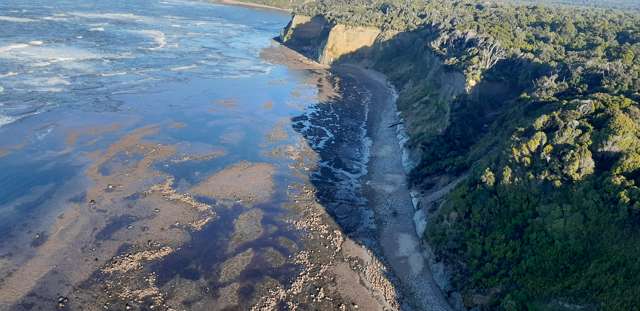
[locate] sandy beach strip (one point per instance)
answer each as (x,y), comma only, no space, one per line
(388,196)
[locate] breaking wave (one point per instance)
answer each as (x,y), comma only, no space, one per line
(112,16)
(16,19)
(4,120)
(158,37)
(69,56)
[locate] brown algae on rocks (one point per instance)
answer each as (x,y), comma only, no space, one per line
(248,227)
(278,132)
(234,266)
(245,182)
(273,257)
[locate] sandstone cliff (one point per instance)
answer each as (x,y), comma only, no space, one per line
(324,41)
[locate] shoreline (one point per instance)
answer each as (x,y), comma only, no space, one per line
(250,5)
(352,274)
(390,199)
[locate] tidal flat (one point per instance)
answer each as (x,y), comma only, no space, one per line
(182,160)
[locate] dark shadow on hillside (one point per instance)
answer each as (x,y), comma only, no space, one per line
(425,80)
(305,38)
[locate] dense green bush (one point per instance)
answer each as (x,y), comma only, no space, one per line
(595,44)
(556,215)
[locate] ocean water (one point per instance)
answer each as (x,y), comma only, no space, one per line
(139,126)
(83,53)
(73,65)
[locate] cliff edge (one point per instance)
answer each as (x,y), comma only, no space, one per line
(326,42)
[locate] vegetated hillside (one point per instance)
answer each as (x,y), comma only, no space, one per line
(614,4)
(547,126)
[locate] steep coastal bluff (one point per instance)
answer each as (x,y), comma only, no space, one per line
(326,42)
(371,47)
(416,64)
(430,67)
(521,130)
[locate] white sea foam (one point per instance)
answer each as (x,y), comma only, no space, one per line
(11,47)
(18,46)
(112,16)
(158,37)
(16,19)
(56,81)
(27,52)
(54,84)
(96,29)
(42,133)
(111,74)
(4,120)
(40,64)
(183,68)
(56,18)
(49,89)
(321,128)
(8,74)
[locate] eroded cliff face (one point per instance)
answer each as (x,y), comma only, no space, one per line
(444,99)
(344,40)
(307,35)
(426,84)
(326,42)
